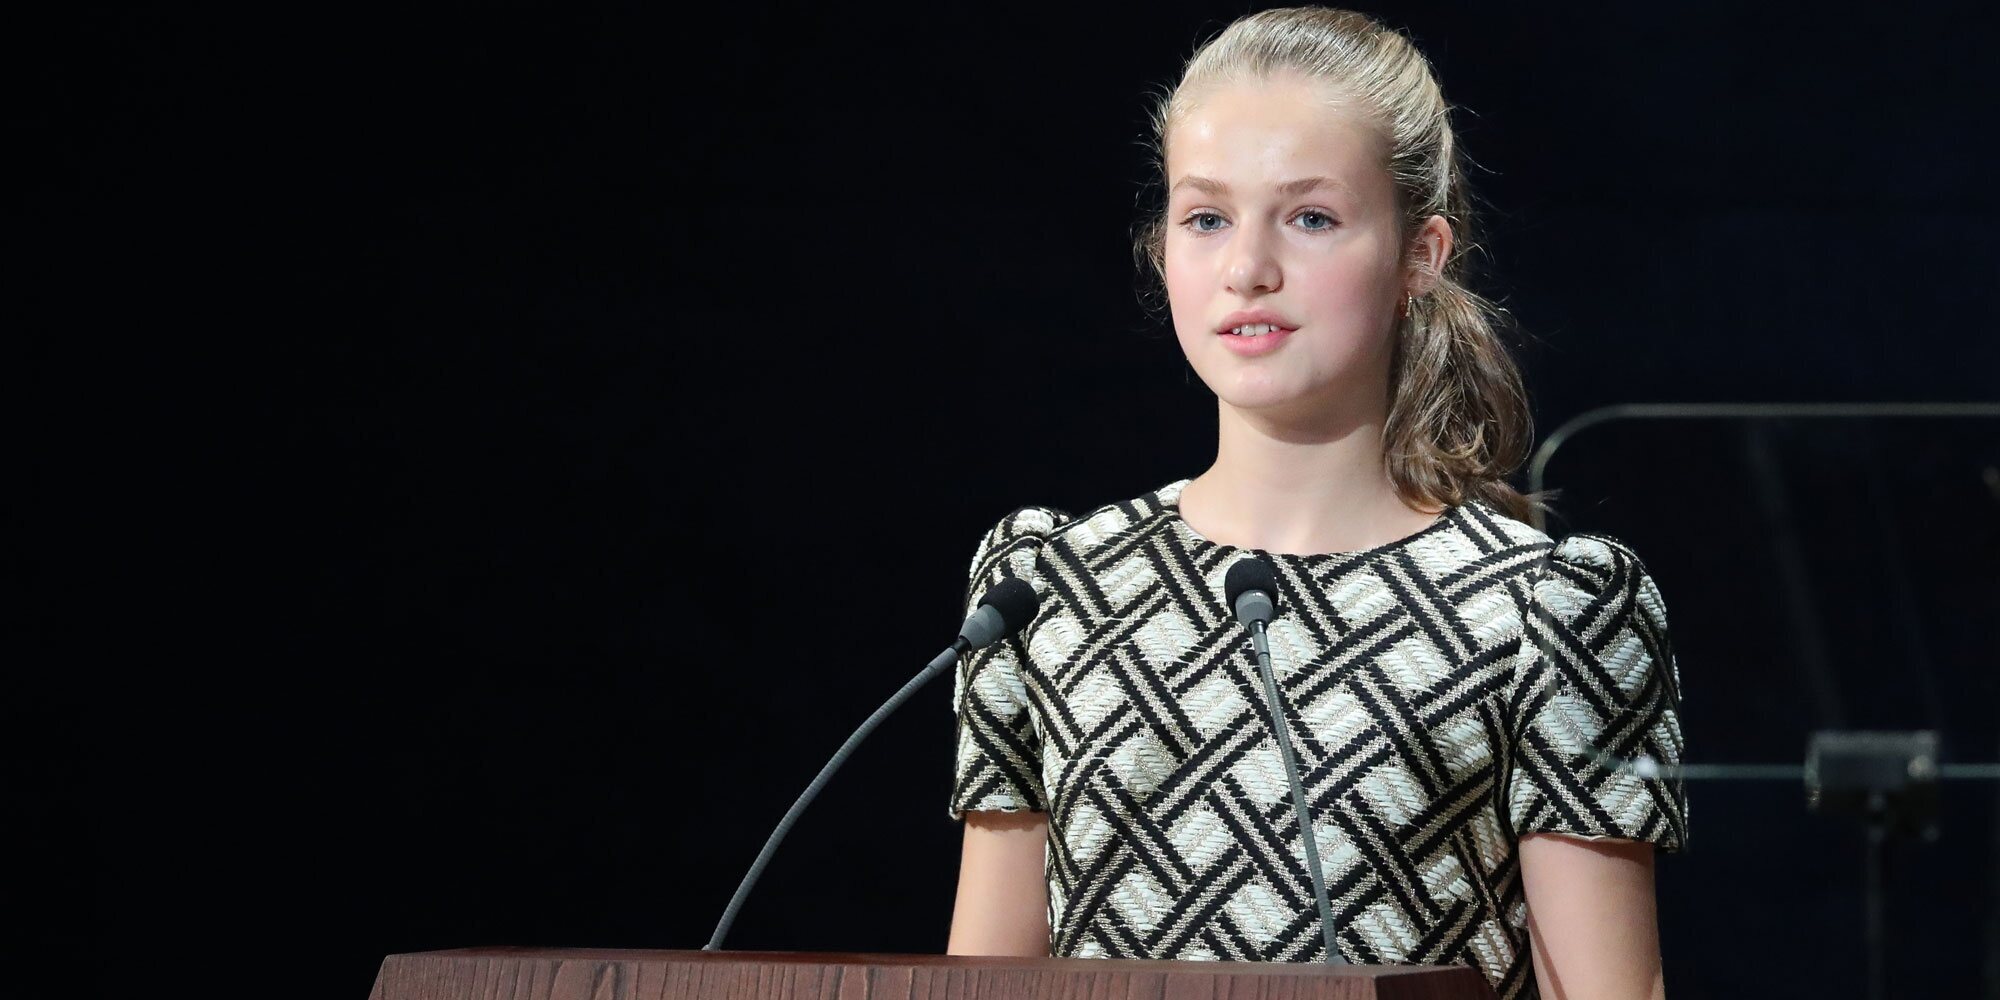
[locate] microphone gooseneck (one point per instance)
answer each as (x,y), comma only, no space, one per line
(1251,588)
(1004,610)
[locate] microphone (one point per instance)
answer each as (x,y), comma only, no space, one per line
(1005,609)
(1251,588)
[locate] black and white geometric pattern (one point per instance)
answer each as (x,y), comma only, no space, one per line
(1440,691)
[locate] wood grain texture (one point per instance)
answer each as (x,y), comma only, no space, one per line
(608,974)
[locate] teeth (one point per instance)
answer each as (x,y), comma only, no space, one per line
(1254,329)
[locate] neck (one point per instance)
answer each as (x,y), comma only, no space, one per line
(1299,486)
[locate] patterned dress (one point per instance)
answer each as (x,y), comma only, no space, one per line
(1446,694)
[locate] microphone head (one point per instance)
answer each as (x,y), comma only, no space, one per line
(1249,578)
(1015,600)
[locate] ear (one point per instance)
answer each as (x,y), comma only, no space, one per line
(1430,248)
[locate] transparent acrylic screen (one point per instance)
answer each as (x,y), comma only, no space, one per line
(1829,573)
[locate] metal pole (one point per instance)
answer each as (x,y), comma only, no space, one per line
(1873,922)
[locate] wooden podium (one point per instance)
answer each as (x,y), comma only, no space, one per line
(607,974)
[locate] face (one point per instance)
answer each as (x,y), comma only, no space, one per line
(1281,210)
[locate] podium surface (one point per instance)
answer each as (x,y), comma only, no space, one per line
(614,974)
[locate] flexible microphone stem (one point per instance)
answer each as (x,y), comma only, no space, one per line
(1005,610)
(1263,647)
(937,666)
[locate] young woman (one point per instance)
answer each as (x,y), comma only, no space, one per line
(1460,693)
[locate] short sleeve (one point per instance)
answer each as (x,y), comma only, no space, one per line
(998,764)
(1594,702)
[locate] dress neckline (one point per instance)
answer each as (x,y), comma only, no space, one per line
(1169,499)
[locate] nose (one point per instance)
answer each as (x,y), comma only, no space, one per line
(1252,264)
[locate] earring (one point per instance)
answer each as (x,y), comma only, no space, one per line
(1409,307)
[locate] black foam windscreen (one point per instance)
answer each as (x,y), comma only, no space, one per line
(1252,573)
(1015,600)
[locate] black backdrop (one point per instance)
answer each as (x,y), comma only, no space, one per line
(557,426)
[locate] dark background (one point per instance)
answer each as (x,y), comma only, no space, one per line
(512,445)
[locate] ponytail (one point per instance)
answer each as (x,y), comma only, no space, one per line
(1458,413)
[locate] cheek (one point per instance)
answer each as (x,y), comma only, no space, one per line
(1181,266)
(1188,290)
(1358,288)
(1356,272)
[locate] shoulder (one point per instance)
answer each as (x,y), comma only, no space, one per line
(1580,563)
(1592,562)
(1045,528)
(1596,584)
(1030,522)
(1022,526)
(1584,583)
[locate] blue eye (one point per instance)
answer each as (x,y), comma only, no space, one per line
(1318,221)
(1193,222)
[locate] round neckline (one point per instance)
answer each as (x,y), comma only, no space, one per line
(1169,498)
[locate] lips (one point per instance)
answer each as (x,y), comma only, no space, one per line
(1249,333)
(1255,330)
(1265,321)
(1250,347)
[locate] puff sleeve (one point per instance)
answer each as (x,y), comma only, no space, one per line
(998,764)
(1594,702)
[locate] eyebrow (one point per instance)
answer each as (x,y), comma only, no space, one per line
(1288,188)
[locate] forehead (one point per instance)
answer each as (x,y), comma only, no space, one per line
(1254,132)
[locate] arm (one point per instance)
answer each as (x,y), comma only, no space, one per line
(1592,924)
(1003,904)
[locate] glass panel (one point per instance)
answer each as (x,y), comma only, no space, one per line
(1819,573)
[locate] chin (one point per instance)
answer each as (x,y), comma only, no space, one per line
(1285,401)
(1253,388)
(1272,399)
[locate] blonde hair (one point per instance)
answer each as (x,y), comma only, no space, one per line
(1458,413)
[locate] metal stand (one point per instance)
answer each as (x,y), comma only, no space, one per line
(1875,902)
(1889,780)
